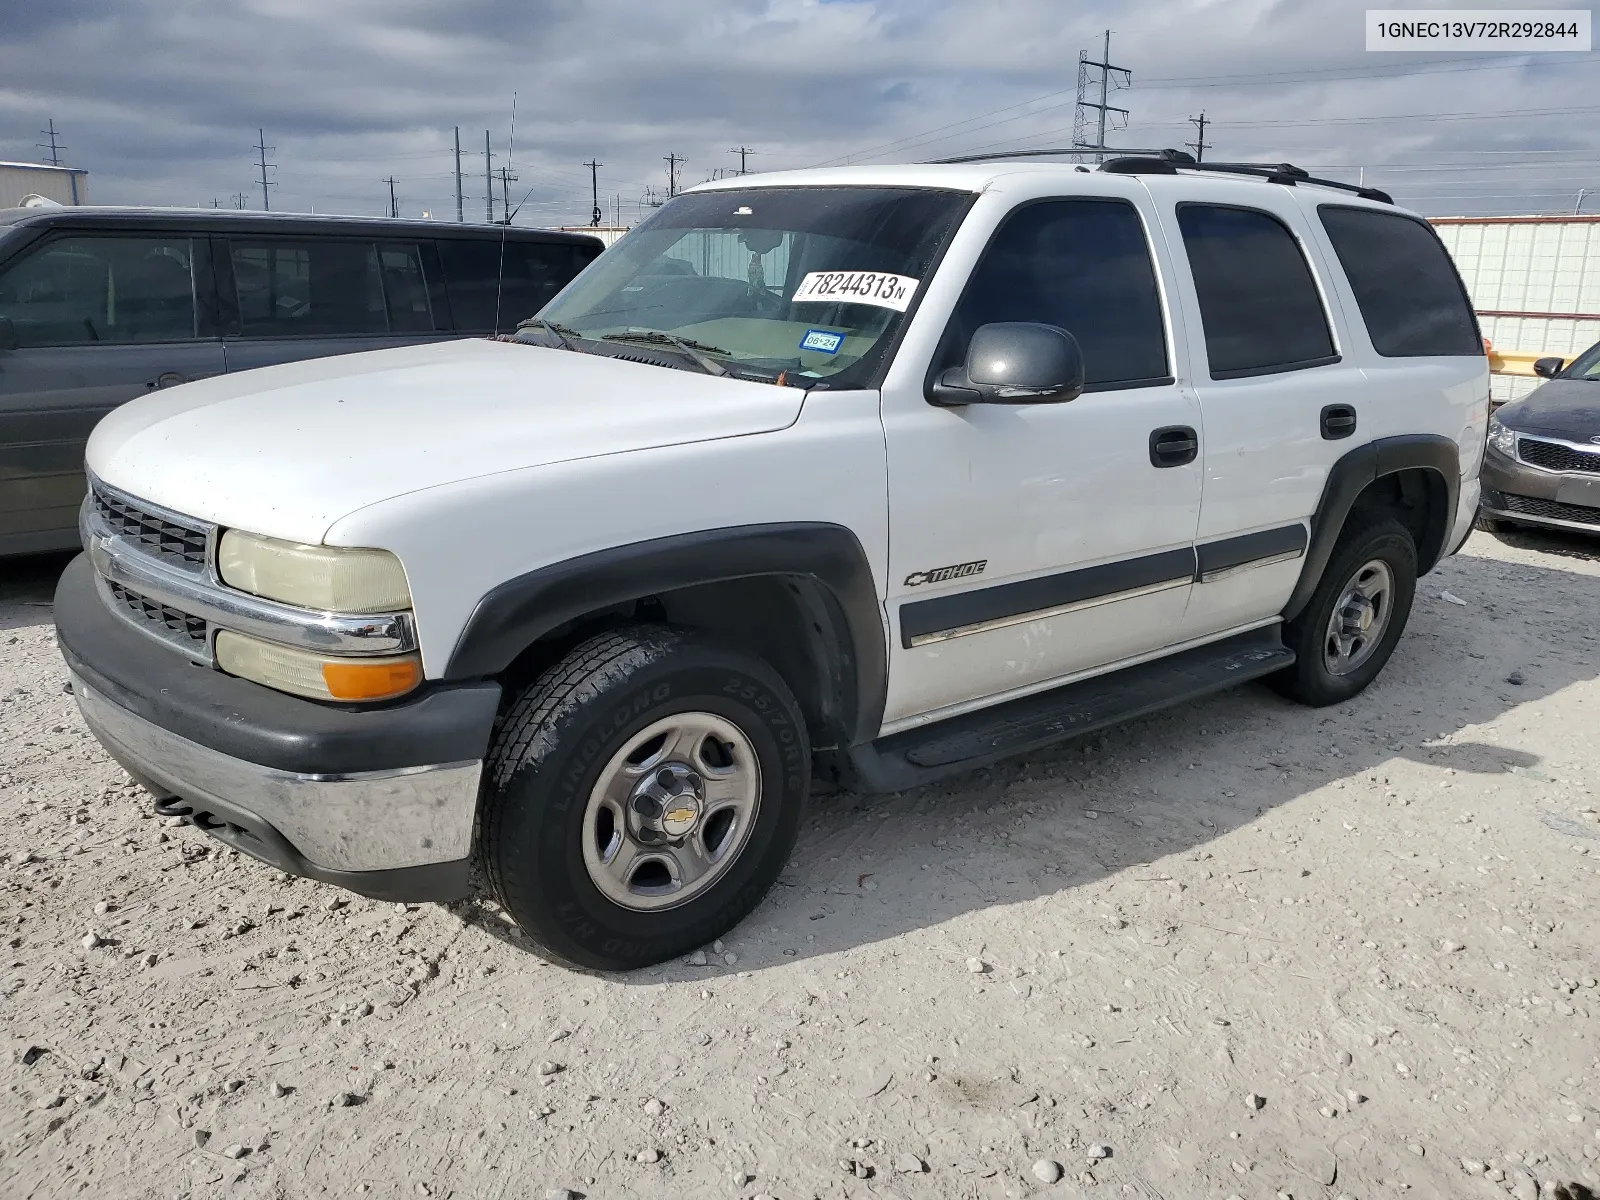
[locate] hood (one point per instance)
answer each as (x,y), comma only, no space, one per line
(1562,408)
(286,451)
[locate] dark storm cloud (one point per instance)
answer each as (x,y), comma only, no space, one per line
(161,99)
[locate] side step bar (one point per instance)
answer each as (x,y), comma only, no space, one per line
(973,740)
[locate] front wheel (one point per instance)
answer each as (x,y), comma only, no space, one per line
(1349,627)
(642,796)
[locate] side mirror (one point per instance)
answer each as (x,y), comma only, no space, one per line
(1014,362)
(8,334)
(1548,368)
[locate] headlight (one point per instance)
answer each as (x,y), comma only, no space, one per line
(326,578)
(1502,439)
(305,673)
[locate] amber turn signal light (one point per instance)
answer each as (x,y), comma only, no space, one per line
(371,680)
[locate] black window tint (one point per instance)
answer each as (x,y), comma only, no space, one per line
(405,290)
(1082,265)
(534,272)
(102,289)
(289,287)
(1408,290)
(1258,302)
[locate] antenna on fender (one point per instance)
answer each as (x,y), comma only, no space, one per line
(500,274)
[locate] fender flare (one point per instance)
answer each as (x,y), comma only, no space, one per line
(1351,475)
(516,613)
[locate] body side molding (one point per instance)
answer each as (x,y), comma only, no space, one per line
(516,613)
(1351,474)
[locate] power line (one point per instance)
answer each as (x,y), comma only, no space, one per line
(261,148)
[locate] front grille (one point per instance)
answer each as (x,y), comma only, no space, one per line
(1554,510)
(1553,456)
(178,626)
(160,536)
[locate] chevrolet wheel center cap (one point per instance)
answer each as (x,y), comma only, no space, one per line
(666,804)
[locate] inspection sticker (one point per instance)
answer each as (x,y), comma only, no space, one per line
(858,287)
(824,341)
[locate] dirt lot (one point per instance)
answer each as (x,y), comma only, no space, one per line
(1241,948)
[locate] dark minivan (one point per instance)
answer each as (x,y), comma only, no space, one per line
(99,305)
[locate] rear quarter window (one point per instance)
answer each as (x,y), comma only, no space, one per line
(1410,296)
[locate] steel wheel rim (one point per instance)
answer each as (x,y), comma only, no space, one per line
(671,811)
(1359,618)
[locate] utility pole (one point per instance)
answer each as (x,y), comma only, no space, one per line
(238,201)
(673,161)
(394,208)
(741,151)
(55,150)
(1081,120)
(1199,145)
(619,210)
(488,179)
(261,148)
(460,214)
(507,177)
(594,191)
(1578,207)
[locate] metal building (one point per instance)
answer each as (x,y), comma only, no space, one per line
(1535,282)
(64,185)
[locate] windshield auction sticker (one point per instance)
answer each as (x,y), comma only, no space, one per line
(858,287)
(1470,29)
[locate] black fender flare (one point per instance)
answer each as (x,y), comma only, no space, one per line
(1351,475)
(516,613)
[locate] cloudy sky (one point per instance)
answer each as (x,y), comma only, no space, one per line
(161,99)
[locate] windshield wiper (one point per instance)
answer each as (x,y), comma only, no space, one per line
(561,333)
(687,346)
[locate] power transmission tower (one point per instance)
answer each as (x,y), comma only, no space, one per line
(394,208)
(507,177)
(1199,145)
(1102,109)
(460,214)
(594,191)
(238,201)
(488,179)
(741,151)
(261,148)
(673,161)
(650,199)
(52,146)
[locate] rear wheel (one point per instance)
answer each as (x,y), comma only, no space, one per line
(1349,627)
(643,795)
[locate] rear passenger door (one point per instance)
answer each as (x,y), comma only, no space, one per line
(99,319)
(1276,394)
(288,298)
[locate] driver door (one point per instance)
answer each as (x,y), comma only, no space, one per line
(1033,543)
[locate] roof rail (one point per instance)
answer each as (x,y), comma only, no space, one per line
(1167,162)
(994,155)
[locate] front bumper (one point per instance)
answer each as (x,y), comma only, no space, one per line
(382,800)
(1515,491)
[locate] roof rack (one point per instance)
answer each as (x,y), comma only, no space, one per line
(1167,162)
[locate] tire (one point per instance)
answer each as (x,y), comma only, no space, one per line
(1383,554)
(1489,524)
(548,825)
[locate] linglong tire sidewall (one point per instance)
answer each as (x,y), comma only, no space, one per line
(542,878)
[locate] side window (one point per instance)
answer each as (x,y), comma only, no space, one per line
(533,273)
(1258,302)
(292,287)
(1409,293)
(405,289)
(79,290)
(1082,265)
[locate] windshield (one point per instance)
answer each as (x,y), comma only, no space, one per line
(798,284)
(1586,367)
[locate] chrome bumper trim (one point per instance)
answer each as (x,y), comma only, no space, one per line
(1517,518)
(198,594)
(366,821)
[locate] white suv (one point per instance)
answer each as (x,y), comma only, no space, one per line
(881,472)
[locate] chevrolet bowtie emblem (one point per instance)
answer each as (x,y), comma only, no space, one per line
(679,814)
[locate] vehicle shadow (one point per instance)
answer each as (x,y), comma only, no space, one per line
(869,869)
(1559,542)
(27,586)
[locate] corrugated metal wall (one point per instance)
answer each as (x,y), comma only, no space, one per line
(53,183)
(1535,282)
(718,253)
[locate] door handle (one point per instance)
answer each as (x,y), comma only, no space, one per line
(1338,421)
(1173,446)
(167,379)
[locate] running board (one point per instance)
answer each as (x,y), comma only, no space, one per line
(964,743)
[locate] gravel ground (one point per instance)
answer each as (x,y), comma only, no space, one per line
(1238,949)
